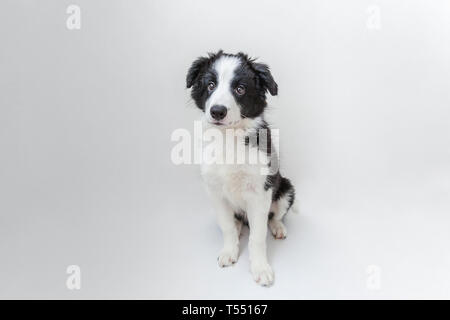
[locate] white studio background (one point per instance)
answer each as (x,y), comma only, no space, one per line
(86,179)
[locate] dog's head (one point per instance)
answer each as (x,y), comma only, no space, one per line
(229,88)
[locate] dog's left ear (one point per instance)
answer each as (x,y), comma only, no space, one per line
(263,72)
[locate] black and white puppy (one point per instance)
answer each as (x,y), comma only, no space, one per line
(231,91)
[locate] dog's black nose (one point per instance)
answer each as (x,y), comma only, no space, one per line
(218,112)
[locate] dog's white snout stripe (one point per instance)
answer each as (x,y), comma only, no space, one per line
(225,68)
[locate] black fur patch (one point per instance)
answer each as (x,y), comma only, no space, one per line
(241,216)
(281,187)
(257,139)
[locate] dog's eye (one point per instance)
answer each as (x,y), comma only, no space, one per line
(211,86)
(240,90)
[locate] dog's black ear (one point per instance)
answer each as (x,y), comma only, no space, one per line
(194,71)
(263,72)
(198,66)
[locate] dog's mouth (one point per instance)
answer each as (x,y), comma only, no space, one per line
(217,123)
(230,124)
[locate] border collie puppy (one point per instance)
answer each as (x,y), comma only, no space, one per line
(231,90)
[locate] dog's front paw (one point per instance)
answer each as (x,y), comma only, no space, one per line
(262,273)
(227,257)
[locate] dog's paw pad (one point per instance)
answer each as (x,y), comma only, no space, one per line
(227,258)
(262,274)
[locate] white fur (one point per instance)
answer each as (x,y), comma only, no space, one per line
(240,188)
(279,208)
(225,68)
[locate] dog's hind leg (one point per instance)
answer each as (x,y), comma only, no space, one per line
(276,224)
(280,207)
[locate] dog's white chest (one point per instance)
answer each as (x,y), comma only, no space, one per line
(236,182)
(233,182)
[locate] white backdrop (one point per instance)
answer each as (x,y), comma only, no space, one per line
(85,173)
